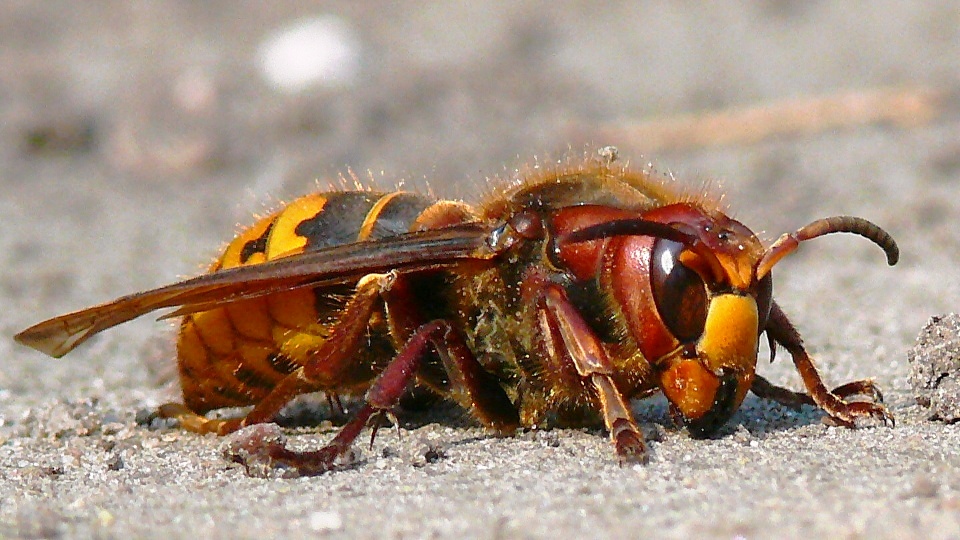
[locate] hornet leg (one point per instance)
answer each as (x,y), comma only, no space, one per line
(489,402)
(843,412)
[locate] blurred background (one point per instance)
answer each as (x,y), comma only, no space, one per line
(262,99)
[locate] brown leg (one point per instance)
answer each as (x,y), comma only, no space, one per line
(843,412)
(784,396)
(486,398)
(589,358)
(489,402)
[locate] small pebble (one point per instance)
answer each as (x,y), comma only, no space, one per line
(935,367)
(317,52)
(325,521)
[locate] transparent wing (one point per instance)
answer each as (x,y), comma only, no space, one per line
(406,253)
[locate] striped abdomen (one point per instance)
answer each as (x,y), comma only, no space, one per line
(234,355)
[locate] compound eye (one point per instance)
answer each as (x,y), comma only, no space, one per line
(679,293)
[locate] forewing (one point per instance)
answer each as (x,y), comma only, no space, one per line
(404,253)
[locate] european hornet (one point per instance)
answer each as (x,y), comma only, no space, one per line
(552,303)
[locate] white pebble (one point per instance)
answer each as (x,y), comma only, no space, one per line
(325,521)
(320,51)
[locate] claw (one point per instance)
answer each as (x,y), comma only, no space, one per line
(631,450)
(629,445)
(866,388)
(254,447)
(848,415)
(306,463)
(392,418)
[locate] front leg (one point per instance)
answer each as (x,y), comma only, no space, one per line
(784,396)
(570,340)
(843,412)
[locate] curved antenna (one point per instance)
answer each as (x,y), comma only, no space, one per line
(644,227)
(789,242)
(628,227)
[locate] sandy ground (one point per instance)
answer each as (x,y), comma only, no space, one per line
(134,138)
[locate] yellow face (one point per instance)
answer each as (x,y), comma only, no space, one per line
(715,308)
(706,383)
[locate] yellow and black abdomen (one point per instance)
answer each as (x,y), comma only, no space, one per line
(234,355)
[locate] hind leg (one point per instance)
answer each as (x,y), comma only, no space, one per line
(488,401)
(322,372)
